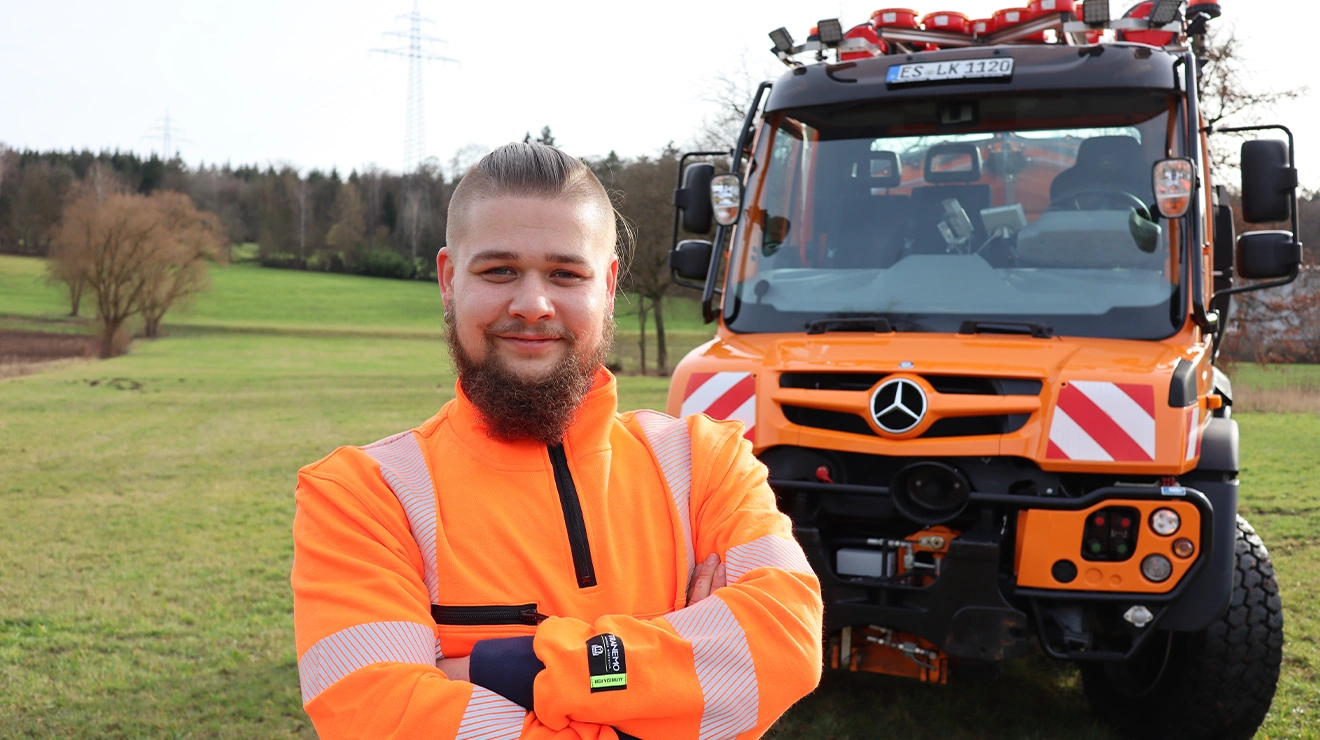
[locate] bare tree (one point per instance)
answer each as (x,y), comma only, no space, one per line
(187,241)
(299,191)
(729,92)
(348,233)
(110,242)
(415,206)
(139,254)
(463,159)
(1229,96)
(646,201)
(68,270)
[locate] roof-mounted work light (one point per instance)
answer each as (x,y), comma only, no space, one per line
(1165,12)
(831,32)
(1095,12)
(783,41)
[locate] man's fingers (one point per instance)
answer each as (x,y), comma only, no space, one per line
(721,578)
(703,578)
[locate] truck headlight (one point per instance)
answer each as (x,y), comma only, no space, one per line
(1165,522)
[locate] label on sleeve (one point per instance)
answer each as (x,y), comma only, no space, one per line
(605,662)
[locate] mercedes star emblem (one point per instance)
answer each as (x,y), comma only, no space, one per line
(898,405)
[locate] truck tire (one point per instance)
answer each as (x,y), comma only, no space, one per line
(1217,683)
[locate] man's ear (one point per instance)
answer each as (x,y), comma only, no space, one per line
(444,274)
(612,281)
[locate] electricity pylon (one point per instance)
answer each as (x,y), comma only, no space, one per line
(168,133)
(416,47)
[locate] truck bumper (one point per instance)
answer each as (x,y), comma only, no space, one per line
(974,609)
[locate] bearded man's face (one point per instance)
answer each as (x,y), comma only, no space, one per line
(529,297)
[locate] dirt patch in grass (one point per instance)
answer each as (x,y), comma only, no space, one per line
(25,352)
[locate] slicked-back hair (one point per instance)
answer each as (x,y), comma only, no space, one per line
(533,170)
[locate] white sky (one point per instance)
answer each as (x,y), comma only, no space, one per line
(262,81)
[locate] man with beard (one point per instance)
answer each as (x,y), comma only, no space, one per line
(529,562)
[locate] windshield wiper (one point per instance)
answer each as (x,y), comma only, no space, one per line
(877,324)
(977,326)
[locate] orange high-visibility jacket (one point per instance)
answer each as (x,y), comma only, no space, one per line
(425,543)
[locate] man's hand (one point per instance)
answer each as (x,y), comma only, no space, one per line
(709,576)
(455,668)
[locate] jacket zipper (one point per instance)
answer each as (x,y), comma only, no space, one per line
(577,528)
(482,615)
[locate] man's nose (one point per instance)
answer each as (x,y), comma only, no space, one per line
(532,301)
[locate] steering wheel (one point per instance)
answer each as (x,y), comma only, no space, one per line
(1114,194)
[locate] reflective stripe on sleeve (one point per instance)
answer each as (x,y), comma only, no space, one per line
(671,444)
(768,551)
(403,467)
(490,716)
(337,655)
(724,667)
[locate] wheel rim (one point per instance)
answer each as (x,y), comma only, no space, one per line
(1140,675)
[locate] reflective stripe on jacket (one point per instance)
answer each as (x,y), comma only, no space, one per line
(416,547)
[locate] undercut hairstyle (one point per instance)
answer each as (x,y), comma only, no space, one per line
(533,170)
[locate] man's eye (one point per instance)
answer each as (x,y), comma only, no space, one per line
(499,271)
(566,275)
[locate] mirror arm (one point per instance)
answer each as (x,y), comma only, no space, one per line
(1261,286)
(678,186)
(722,232)
(684,282)
(1292,162)
(1205,318)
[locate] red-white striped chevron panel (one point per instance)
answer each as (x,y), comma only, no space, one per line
(1105,422)
(723,396)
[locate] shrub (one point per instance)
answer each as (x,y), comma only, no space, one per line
(387,264)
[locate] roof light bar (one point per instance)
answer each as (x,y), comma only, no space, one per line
(831,31)
(1165,11)
(1095,12)
(783,41)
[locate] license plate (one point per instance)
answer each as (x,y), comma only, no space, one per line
(965,69)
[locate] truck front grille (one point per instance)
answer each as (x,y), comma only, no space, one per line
(950,384)
(955,426)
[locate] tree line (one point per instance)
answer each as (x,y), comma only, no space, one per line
(371,222)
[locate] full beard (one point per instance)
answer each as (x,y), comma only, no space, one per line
(515,408)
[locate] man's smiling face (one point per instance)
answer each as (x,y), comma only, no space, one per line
(531,283)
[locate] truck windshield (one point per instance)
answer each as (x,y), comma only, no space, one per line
(929,214)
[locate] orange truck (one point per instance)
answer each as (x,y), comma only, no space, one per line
(969,279)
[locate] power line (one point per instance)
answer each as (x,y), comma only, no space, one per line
(415,46)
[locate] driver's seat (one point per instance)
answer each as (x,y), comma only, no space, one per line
(1106,162)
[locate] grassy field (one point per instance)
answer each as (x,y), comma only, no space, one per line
(146,502)
(246,297)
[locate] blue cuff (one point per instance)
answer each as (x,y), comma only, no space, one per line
(507,666)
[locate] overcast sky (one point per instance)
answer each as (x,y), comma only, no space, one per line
(263,81)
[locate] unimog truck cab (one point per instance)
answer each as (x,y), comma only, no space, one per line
(970,279)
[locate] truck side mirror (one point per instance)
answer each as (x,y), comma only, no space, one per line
(1266,255)
(693,199)
(690,261)
(1268,181)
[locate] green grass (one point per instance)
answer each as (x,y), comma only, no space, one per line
(1274,377)
(247,297)
(146,504)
